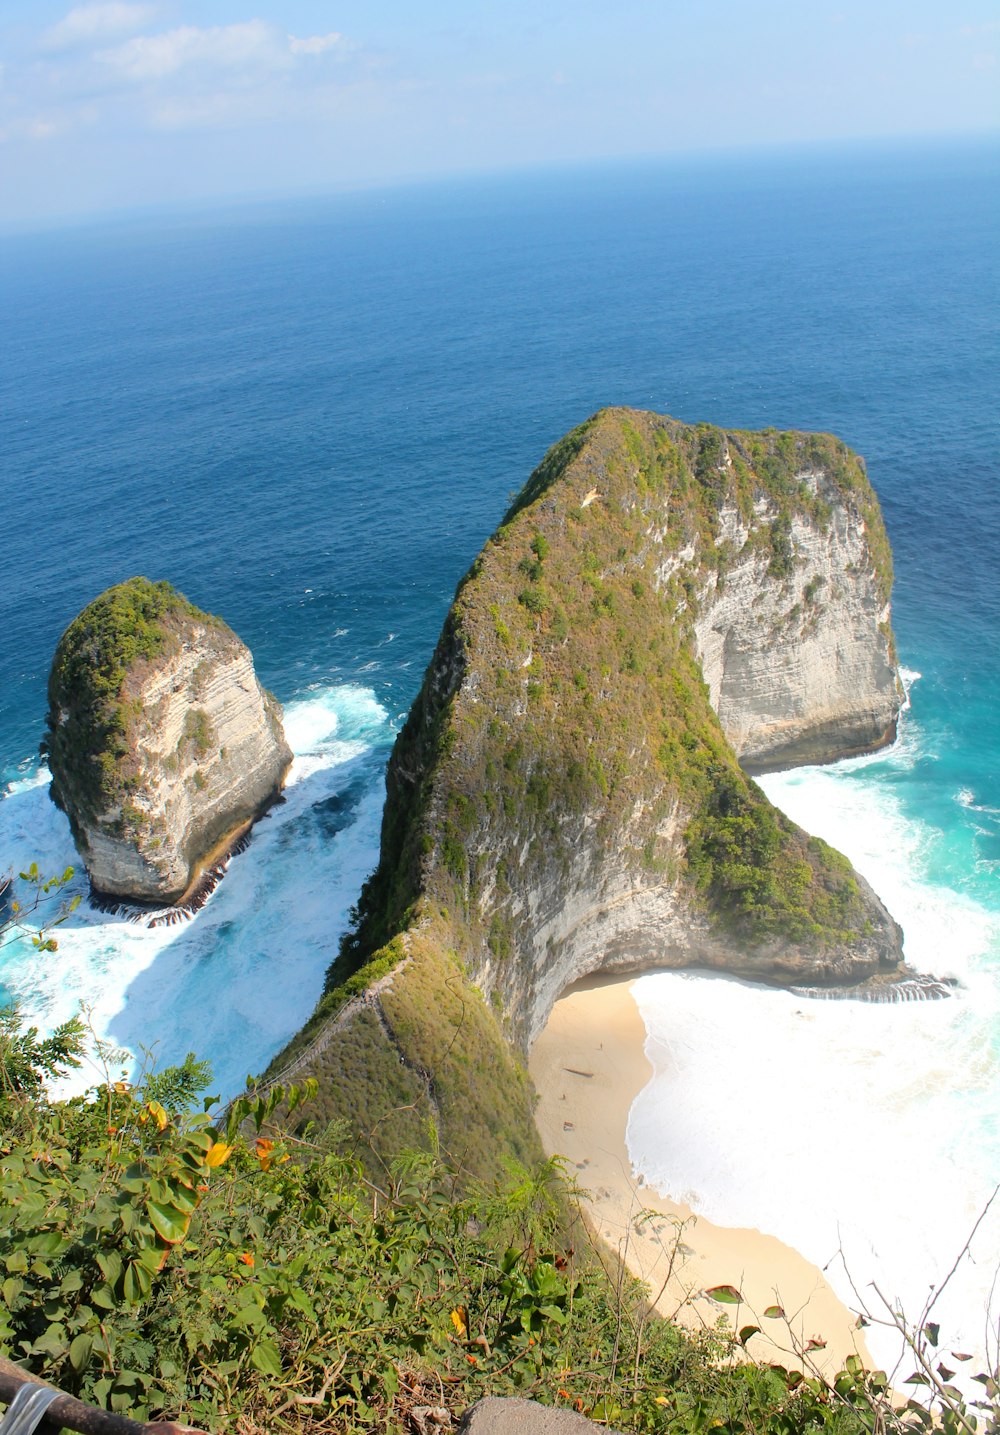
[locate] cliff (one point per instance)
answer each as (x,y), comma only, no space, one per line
(566,795)
(163,745)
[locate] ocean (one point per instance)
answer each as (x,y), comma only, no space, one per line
(309,415)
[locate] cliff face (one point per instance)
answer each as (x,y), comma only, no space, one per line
(161,741)
(798,670)
(566,795)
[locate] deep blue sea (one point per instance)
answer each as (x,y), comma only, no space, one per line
(309,416)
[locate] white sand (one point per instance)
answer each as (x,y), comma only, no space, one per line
(589,1065)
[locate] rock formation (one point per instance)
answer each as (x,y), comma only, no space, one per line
(566,796)
(799,670)
(163,745)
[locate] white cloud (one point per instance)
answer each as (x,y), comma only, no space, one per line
(95,24)
(242,50)
(252,45)
(314,44)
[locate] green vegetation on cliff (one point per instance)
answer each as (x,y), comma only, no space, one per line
(421,1063)
(90,714)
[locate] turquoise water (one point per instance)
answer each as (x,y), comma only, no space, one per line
(310,416)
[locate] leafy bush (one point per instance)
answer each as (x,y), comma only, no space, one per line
(764,876)
(158,1263)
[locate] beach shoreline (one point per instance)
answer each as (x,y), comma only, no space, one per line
(589,1064)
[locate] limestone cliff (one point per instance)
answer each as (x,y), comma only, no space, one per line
(162,743)
(799,670)
(566,795)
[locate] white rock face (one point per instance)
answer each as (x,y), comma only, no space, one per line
(799,670)
(605,917)
(209,755)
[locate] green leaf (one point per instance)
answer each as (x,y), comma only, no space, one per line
(49,1243)
(725,1295)
(80,1351)
(264,1357)
(137,1284)
(169,1223)
(774,1312)
(932,1331)
(51,1342)
(182,1197)
(747,1331)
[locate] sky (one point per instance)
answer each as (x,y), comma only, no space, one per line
(112,104)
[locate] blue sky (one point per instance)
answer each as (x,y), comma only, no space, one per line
(116,103)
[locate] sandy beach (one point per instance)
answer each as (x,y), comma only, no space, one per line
(589,1065)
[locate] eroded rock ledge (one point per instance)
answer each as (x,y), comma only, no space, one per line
(662,602)
(163,745)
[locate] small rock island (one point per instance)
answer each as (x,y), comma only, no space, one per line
(163,745)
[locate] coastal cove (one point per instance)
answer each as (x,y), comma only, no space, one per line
(322,433)
(589,1067)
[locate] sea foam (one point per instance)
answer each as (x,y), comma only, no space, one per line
(866,1136)
(238,979)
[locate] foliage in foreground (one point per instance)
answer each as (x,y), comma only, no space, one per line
(159,1262)
(250,1276)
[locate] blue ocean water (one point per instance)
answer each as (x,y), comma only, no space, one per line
(309,416)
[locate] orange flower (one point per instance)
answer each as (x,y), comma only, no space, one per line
(247,1258)
(264,1148)
(564,1393)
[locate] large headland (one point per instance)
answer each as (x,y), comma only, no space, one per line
(665,609)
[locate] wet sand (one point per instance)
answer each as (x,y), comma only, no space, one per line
(589,1065)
